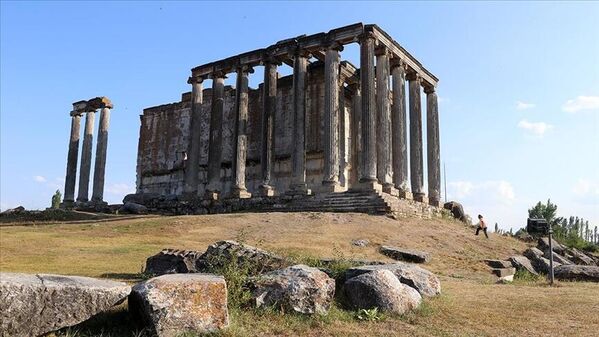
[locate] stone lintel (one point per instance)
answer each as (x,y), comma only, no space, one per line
(99,103)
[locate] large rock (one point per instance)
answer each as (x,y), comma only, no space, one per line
(297,288)
(171,305)
(578,273)
(498,263)
(456,210)
(539,263)
(579,257)
(557,258)
(380,289)
(408,255)
(425,282)
(543,245)
(253,259)
(133,208)
(16,210)
(32,305)
(171,261)
(522,263)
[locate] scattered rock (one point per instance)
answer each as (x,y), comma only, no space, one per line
(456,210)
(360,242)
(171,261)
(254,259)
(578,273)
(401,254)
(381,289)
(579,257)
(543,245)
(557,258)
(171,305)
(498,263)
(133,208)
(522,263)
(425,282)
(503,272)
(523,236)
(539,263)
(506,279)
(298,288)
(15,210)
(32,305)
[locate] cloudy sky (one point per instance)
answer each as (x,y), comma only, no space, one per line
(519,87)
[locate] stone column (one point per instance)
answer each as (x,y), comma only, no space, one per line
(433,160)
(241,143)
(330,181)
(213,188)
(86,157)
(399,134)
(269,105)
(190,189)
(298,156)
(355,132)
(416,158)
(368,179)
(72,156)
(383,132)
(101,148)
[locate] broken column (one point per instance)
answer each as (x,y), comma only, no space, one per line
(213,187)
(73,154)
(105,105)
(416,157)
(433,160)
(383,132)
(269,105)
(190,189)
(399,135)
(240,129)
(86,157)
(330,182)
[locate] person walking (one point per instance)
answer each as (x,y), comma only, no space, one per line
(481,226)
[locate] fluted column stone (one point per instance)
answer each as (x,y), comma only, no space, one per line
(213,187)
(416,156)
(433,159)
(72,156)
(241,142)
(399,135)
(101,149)
(383,132)
(269,105)
(192,164)
(330,182)
(86,157)
(355,133)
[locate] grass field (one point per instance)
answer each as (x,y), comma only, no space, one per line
(471,304)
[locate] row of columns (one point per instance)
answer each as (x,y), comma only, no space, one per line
(379,122)
(89,109)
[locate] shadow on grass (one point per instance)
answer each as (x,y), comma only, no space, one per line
(117,322)
(131,277)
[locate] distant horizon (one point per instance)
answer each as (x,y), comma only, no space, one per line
(518,88)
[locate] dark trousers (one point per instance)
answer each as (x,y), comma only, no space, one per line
(483,229)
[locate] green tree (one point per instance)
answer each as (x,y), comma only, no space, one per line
(546,211)
(496,228)
(56,198)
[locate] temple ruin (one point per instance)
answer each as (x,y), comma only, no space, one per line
(329,128)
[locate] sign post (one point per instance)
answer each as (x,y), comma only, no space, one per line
(540,227)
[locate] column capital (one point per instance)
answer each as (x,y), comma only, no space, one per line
(218,74)
(397,62)
(195,80)
(245,69)
(268,58)
(382,50)
(334,45)
(76,113)
(429,89)
(366,35)
(302,53)
(354,87)
(411,75)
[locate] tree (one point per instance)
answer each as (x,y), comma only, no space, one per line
(496,228)
(56,198)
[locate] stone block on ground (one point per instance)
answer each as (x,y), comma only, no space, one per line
(380,289)
(557,257)
(255,260)
(297,288)
(133,208)
(577,273)
(539,263)
(522,263)
(579,257)
(543,245)
(425,282)
(503,272)
(407,255)
(498,263)
(456,210)
(172,261)
(35,304)
(174,304)
(360,242)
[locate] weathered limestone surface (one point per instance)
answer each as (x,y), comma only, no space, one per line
(172,261)
(400,131)
(255,260)
(522,263)
(403,254)
(171,305)
(368,126)
(498,263)
(71,176)
(35,304)
(425,282)
(433,158)
(416,157)
(331,121)
(384,163)
(241,139)
(86,157)
(101,148)
(577,273)
(269,106)
(195,130)
(216,136)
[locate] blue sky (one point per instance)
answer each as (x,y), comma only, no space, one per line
(519,86)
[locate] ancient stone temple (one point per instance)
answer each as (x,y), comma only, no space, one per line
(330,128)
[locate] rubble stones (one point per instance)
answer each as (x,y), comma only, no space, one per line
(543,245)
(171,305)
(133,208)
(522,263)
(380,289)
(254,259)
(539,263)
(578,273)
(503,272)
(402,254)
(32,305)
(579,257)
(360,242)
(297,288)
(557,258)
(425,282)
(171,261)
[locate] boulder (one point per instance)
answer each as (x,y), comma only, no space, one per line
(579,257)
(172,261)
(539,263)
(522,263)
(543,245)
(16,210)
(174,304)
(556,257)
(133,208)
(498,263)
(425,282)
(579,273)
(503,272)
(297,288)
(141,198)
(255,260)
(33,305)
(408,255)
(380,289)
(456,210)
(360,242)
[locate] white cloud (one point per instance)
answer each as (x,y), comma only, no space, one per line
(120,189)
(39,179)
(584,187)
(536,128)
(491,191)
(581,103)
(523,105)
